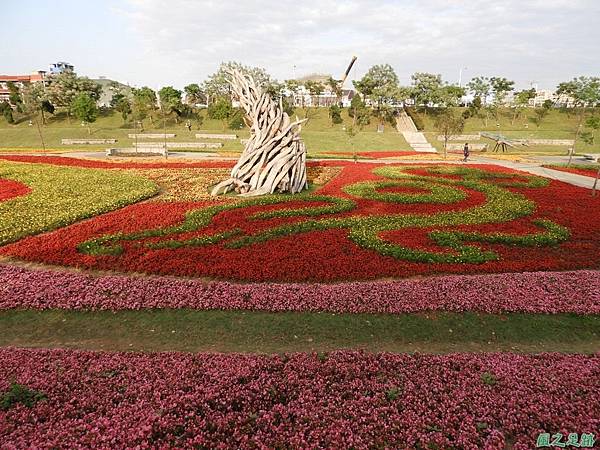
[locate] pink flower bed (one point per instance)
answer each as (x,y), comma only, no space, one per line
(533,292)
(341,400)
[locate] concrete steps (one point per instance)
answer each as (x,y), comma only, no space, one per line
(418,142)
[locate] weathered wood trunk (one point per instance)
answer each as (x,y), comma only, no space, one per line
(274,158)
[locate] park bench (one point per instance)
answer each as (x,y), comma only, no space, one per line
(179,145)
(139,151)
(87,141)
(216,136)
(151,135)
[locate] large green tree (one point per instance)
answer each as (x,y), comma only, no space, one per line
(379,84)
(170,101)
(144,104)
(64,87)
(501,87)
(85,109)
(194,94)
(426,88)
(480,87)
(221,109)
(217,84)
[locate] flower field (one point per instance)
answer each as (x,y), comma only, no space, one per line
(59,196)
(344,400)
(587,170)
(538,292)
(458,257)
(369,221)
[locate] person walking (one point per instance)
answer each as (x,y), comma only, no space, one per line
(466,152)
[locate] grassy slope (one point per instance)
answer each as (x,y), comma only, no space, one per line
(556,125)
(318,134)
(244,331)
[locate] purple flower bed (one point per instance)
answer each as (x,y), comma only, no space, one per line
(534,292)
(341,400)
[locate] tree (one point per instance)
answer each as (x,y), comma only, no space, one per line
(379,84)
(448,124)
(539,115)
(194,94)
(170,101)
(85,109)
(144,103)
(14,96)
(592,125)
(360,114)
(35,101)
(585,92)
(335,114)
(7,112)
(218,84)
(451,94)
(65,86)
(221,110)
(426,88)
(120,103)
(521,101)
(501,87)
(480,88)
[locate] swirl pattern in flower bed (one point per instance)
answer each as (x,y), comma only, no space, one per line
(473,220)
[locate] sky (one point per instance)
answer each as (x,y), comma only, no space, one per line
(177,42)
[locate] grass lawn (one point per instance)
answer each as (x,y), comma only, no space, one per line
(246,331)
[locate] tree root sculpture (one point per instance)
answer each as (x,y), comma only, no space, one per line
(274,158)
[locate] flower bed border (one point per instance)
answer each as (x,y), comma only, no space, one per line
(531,292)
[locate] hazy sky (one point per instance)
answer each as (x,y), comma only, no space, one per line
(157,43)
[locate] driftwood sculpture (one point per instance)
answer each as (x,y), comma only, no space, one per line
(274,158)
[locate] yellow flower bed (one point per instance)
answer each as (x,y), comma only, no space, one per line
(62,195)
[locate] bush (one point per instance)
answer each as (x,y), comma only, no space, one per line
(335,113)
(416,118)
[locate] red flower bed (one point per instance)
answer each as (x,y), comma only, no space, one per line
(344,399)
(374,155)
(11,189)
(326,255)
(99,164)
(587,172)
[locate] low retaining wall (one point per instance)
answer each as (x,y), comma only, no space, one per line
(471,146)
(179,145)
(563,142)
(151,136)
(87,141)
(140,151)
(461,137)
(216,136)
